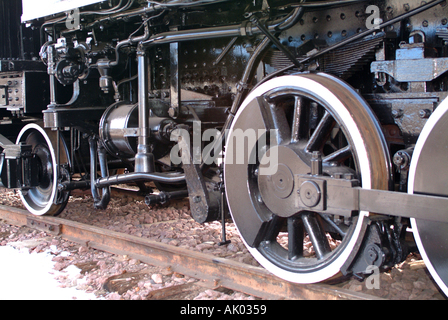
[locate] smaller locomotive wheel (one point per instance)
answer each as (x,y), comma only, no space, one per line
(45,198)
(311,115)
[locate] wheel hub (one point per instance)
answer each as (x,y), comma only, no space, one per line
(46,166)
(277,189)
(282,182)
(310,193)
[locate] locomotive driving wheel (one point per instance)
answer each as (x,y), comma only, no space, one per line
(45,199)
(301,117)
(427,175)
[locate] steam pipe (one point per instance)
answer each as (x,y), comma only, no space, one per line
(138,176)
(100,202)
(244,29)
(164,197)
(93,143)
(105,197)
(123,43)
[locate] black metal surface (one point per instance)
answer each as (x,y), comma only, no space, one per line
(10,29)
(382,247)
(164,197)
(16,41)
(84,119)
(101,200)
(19,89)
(204,203)
(20,169)
(19,65)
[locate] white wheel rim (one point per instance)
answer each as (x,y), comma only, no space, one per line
(361,152)
(432,121)
(47,207)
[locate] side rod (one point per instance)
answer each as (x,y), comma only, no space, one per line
(344,197)
(426,207)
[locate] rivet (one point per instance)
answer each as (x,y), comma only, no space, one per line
(424,113)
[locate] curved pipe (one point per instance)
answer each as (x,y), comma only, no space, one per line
(105,197)
(138,176)
(246,28)
(164,197)
(100,202)
(93,164)
(121,44)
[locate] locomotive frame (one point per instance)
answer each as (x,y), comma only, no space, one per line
(307,119)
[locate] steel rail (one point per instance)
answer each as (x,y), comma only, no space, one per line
(213,271)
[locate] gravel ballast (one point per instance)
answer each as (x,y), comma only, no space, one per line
(120,277)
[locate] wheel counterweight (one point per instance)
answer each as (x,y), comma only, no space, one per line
(282,128)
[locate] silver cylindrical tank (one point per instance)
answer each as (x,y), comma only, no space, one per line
(119,130)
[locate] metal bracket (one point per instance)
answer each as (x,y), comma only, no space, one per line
(204,203)
(19,167)
(335,195)
(411,70)
(311,193)
(49,227)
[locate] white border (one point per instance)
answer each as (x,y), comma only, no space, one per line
(345,116)
(55,177)
(432,121)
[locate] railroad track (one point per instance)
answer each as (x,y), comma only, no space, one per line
(212,271)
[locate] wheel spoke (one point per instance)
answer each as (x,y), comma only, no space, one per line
(296,122)
(269,230)
(339,155)
(295,238)
(314,227)
(274,227)
(333,224)
(321,134)
(274,118)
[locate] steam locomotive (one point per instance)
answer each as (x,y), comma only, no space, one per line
(308,120)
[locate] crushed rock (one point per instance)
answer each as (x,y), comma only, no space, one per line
(172,224)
